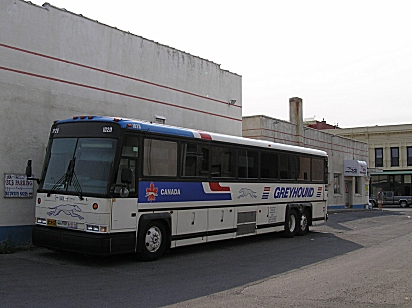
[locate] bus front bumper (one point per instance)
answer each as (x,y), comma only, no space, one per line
(83,242)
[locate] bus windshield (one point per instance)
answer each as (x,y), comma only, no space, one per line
(79,165)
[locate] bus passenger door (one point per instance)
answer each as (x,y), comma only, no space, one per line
(124,210)
(124,213)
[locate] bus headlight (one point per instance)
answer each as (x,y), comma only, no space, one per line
(96,228)
(41,221)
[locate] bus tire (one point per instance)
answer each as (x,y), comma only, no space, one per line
(291,224)
(153,241)
(303,225)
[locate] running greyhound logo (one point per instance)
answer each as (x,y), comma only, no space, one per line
(68,209)
(244,192)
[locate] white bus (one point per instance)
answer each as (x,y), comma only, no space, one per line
(113,185)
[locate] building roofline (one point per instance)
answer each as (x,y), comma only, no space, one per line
(47,5)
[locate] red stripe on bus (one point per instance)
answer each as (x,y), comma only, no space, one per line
(215,186)
(205,136)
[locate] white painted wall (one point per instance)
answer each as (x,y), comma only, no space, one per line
(55,64)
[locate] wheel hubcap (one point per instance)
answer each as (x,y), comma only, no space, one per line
(303,222)
(153,239)
(292,223)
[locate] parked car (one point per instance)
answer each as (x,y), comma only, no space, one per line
(391,199)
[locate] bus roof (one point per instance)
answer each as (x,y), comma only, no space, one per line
(140,125)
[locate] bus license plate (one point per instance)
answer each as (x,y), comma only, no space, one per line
(72,225)
(51,222)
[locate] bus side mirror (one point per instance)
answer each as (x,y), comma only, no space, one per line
(28,169)
(29,172)
(127,175)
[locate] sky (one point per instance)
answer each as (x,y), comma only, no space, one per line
(350,61)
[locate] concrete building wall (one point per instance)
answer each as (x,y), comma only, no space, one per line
(55,64)
(340,195)
(385,137)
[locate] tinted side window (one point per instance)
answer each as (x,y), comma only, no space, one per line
(223,161)
(129,158)
(248,164)
(288,166)
(318,170)
(195,160)
(269,165)
(159,158)
(304,169)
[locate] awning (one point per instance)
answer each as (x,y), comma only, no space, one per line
(355,167)
(392,172)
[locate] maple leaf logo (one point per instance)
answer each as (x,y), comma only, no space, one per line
(151,192)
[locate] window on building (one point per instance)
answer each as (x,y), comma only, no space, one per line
(409,156)
(336,183)
(395,184)
(379,157)
(394,157)
(160,119)
(378,182)
(407,179)
(358,185)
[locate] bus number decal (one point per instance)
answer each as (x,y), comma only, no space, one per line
(107,129)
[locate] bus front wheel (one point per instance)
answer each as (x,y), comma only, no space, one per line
(153,241)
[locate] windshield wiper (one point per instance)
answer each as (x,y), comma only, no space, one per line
(76,185)
(66,180)
(58,185)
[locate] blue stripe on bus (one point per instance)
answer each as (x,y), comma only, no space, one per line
(158,129)
(135,125)
(178,192)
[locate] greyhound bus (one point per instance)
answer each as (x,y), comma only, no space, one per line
(112,185)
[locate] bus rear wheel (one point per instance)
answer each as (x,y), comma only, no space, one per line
(153,241)
(291,224)
(303,227)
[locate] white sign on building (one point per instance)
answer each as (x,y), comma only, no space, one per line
(355,168)
(17,186)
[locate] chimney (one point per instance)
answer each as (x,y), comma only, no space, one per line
(296,117)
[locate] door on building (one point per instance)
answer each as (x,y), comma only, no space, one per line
(348,194)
